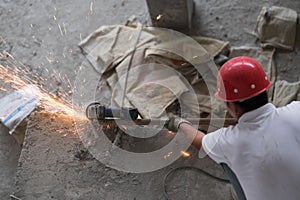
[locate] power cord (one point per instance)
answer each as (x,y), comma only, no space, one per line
(189,168)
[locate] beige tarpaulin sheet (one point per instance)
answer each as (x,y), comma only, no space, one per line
(276,27)
(286,92)
(162,70)
(108,45)
(151,88)
(167,66)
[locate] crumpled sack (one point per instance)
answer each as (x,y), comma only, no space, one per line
(286,92)
(109,45)
(151,88)
(276,27)
(147,89)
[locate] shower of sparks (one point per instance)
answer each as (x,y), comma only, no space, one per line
(65,30)
(185,154)
(91,8)
(60,30)
(50,60)
(90,12)
(19,76)
(159,17)
(130,37)
(168,155)
(170,132)
(80,36)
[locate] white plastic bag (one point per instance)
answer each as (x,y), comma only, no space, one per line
(15,107)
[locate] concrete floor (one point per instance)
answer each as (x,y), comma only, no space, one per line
(44,35)
(9,154)
(55,165)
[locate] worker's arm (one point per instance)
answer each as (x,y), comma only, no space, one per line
(193,135)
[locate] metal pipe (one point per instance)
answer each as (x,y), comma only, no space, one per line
(141,122)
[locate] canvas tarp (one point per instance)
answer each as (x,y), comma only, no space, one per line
(166,66)
(276,27)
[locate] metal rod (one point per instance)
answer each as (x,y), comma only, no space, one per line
(141,122)
(129,65)
(126,78)
(14,197)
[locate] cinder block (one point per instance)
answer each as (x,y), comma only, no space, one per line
(175,15)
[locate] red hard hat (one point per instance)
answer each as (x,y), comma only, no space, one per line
(241,78)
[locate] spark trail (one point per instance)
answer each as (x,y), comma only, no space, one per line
(16,76)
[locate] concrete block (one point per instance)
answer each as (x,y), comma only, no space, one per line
(175,15)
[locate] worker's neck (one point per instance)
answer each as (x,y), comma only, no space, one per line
(235,110)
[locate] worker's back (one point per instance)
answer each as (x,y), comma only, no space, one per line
(267,153)
(263,150)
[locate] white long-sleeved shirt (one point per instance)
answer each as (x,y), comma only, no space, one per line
(263,150)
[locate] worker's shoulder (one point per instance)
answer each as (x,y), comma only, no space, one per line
(291,107)
(295,103)
(290,113)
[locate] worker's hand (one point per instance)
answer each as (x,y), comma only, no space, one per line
(174,122)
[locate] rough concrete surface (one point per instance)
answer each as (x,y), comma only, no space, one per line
(9,154)
(43,35)
(55,165)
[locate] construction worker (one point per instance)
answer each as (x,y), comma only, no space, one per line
(261,153)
